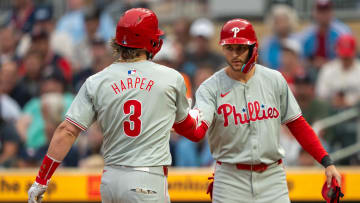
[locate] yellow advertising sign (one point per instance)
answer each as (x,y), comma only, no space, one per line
(306,184)
(66,185)
(184,184)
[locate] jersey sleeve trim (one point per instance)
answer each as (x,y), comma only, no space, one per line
(180,121)
(206,123)
(76,124)
(292,119)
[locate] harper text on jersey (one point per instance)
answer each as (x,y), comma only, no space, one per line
(130,83)
(255,113)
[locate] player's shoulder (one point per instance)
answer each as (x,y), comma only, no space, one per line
(269,76)
(215,80)
(97,77)
(267,72)
(170,72)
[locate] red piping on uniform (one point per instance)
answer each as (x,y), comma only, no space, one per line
(188,129)
(307,138)
(75,123)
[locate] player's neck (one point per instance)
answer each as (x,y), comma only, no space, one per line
(238,75)
(142,57)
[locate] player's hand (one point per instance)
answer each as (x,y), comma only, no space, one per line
(190,102)
(36,192)
(330,172)
(197,115)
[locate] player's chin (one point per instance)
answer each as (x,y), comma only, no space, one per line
(236,66)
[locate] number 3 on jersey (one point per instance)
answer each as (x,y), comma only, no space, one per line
(134,118)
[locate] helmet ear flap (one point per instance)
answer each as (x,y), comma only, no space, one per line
(155,47)
(252,51)
(252,60)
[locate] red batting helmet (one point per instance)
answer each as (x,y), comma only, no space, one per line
(333,193)
(138,28)
(240,31)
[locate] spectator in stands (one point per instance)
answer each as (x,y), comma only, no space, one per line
(73,22)
(28,85)
(313,109)
(60,42)
(339,79)
(8,80)
(83,51)
(291,66)
(9,109)
(101,58)
(282,21)
(22,15)
(41,44)
(7,45)
(200,53)
(31,125)
(181,30)
(319,39)
(9,144)
(52,111)
(339,83)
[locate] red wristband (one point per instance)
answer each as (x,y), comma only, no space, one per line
(46,170)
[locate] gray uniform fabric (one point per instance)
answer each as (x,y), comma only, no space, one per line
(244,119)
(241,186)
(133,185)
(136,105)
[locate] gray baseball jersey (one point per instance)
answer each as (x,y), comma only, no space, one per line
(244,119)
(136,105)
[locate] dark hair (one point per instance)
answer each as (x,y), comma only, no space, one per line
(126,52)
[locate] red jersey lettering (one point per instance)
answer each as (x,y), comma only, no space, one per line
(254,111)
(149,85)
(115,88)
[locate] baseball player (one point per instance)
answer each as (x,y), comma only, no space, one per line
(136,103)
(243,106)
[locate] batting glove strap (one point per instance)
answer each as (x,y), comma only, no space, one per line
(46,170)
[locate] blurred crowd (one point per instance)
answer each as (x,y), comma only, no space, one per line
(44,61)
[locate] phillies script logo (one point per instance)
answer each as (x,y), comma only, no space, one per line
(256,112)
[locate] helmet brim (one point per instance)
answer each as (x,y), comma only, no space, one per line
(237,40)
(160,32)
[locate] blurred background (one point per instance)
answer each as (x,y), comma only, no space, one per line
(49,48)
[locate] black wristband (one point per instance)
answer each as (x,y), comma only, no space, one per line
(326,161)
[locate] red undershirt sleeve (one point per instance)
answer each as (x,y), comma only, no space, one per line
(188,129)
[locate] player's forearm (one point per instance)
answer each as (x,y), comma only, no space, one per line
(307,138)
(64,137)
(62,142)
(188,128)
